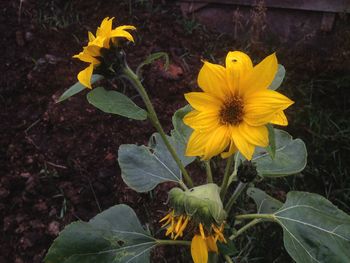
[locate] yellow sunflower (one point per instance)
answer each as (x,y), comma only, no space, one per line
(232,111)
(91,53)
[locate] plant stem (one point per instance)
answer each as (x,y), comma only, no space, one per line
(226,177)
(155,121)
(209,173)
(163,242)
(233,198)
(234,173)
(228,259)
(246,227)
(270,217)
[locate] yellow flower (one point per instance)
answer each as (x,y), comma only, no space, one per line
(232,111)
(91,53)
(204,239)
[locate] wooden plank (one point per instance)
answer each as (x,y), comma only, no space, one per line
(335,6)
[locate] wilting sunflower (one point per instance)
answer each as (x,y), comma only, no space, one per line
(232,111)
(105,37)
(204,238)
(199,214)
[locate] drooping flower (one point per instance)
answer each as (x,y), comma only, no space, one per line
(199,213)
(105,37)
(232,111)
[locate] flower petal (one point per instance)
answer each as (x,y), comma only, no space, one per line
(121,33)
(211,244)
(84,76)
(86,57)
(256,135)
(261,107)
(232,149)
(201,120)
(196,143)
(202,101)
(280,119)
(199,250)
(212,79)
(217,142)
(244,147)
(261,76)
(238,66)
(105,28)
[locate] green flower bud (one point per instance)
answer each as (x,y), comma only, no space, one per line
(202,203)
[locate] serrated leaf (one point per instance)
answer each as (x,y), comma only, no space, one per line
(111,101)
(115,235)
(277,81)
(77,87)
(290,157)
(314,230)
(265,203)
(143,168)
(152,58)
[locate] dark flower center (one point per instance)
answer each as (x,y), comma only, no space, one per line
(231,111)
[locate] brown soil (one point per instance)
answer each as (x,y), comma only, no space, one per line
(58,161)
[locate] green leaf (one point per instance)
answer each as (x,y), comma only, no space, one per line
(152,58)
(290,157)
(114,102)
(181,131)
(227,249)
(277,81)
(272,141)
(265,204)
(143,168)
(314,230)
(115,235)
(77,87)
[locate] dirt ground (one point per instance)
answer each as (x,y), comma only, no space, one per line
(58,161)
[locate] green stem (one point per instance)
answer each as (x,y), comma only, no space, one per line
(270,217)
(246,227)
(155,121)
(228,259)
(209,173)
(235,195)
(226,177)
(162,242)
(234,173)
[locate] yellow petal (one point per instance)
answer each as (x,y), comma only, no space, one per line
(280,119)
(86,57)
(202,101)
(212,79)
(196,143)
(199,250)
(84,76)
(217,142)
(121,33)
(182,228)
(91,36)
(201,120)
(201,230)
(232,149)
(261,76)
(105,27)
(261,107)
(238,66)
(256,135)
(211,244)
(126,27)
(244,147)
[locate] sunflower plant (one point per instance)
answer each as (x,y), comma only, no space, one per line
(231,122)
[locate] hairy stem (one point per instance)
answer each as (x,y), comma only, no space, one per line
(155,121)
(162,242)
(246,227)
(270,217)
(226,177)
(209,172)
(228,259)
(235,195)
